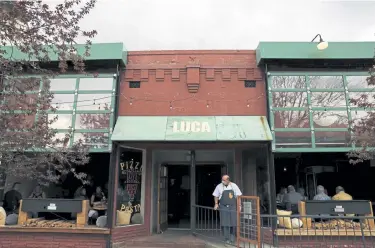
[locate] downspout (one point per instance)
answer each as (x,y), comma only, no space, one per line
(112,163)
(270,155)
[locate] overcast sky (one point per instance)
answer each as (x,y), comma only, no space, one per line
(236,24)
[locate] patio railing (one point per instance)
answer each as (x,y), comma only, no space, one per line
(255,230)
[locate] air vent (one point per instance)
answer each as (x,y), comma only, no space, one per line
(134,84)
(250,83)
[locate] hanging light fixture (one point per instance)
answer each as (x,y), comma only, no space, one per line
(322,44)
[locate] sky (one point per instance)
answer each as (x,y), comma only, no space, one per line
(236,24)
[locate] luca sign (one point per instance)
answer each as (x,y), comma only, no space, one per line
(191,126)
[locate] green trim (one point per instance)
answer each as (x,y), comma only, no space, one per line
(308,51)
(98,51)
(316,149)
(318,73)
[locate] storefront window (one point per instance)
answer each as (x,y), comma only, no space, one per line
(63,101)
(60,121)
(129,193)
(288,82)
(95,83)
(93,140)
(62,84)
(292,139)
(330,119)
(92,121)
(94,101)
(289,99)
(332,139)
(357,82)
(357,99)
(326,82)
(328,99)
(291,119)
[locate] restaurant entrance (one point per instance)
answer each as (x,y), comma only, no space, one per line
(180,182)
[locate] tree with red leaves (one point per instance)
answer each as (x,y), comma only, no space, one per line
(363,129)
(31,33)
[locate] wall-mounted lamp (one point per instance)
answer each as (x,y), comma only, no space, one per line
(322,44)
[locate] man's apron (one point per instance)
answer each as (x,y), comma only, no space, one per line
(228,209)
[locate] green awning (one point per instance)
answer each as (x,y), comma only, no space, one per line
(191,128)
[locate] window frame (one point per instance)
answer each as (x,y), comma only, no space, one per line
(309,91)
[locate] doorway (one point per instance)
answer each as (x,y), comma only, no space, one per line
(178,196)
(207,176)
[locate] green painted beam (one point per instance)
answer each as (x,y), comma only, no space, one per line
(308,51)
(98,51)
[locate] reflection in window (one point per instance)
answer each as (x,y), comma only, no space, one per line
(92,121)
(94,101)
(291,119)
(331,119)
(129,204)
(95,83)
(328,99)
(361,99)
(326,82)
(357,82)
(360,116)
(288,82)
(62,84)
(292,139)
(93,140)
(332,139)
(60,121)
(289,99)
(63,101)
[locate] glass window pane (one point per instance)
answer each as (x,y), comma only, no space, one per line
(94,101)
(291,119)
(360,116)
(289,99)
(326,82)
(92,121)
(357,82)
(328,99)
(62,84)
(63,101)
(330,119)
(129,190)
(288,82)
(95,83)
(361,99)
(332,139)
(292,139)
(94,140)
(63,121)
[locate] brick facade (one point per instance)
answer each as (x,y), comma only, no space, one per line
(52,240)
(178,83)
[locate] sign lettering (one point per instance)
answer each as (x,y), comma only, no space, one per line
(191,126)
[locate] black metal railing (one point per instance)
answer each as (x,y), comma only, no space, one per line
(254,230)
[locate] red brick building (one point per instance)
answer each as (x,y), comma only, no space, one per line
(166,99)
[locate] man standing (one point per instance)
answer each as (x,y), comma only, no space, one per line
(225,196)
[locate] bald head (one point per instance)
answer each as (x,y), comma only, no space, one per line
(225,179)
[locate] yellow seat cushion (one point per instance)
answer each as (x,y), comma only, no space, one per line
(284,220)
(3,216)
(123,217)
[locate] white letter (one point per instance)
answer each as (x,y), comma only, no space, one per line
(206,127)
(175,127)
(195,127)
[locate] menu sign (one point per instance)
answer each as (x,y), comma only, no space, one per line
(131,172)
